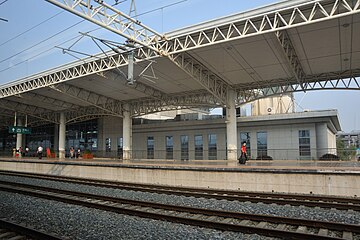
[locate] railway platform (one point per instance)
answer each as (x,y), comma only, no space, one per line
(341,178)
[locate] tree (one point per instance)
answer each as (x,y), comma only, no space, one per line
(343,152)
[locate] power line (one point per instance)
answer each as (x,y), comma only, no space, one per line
(42,41)
(3,19)
(3,2)
(169,5)
(45,51)
(30,28)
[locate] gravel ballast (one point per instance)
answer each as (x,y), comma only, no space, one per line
(80,221)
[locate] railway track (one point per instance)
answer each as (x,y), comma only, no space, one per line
(342,203)
(15,231)
(287,228)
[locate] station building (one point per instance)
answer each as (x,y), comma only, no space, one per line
(273,131)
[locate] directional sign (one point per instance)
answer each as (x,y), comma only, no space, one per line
(21,130)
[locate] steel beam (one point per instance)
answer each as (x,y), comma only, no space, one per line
(291,56)
(108,17)
(82,113)
(238,26)
(110,105)
(96,65)
(49,100)
(138,86)
(173,102)
(206,78)
(26,109)
(319,82)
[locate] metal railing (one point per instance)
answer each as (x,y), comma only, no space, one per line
(220,154)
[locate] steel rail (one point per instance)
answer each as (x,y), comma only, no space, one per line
(17,231)
(222,220)
(343,203)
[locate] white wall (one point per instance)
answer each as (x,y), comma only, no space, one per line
(282,136)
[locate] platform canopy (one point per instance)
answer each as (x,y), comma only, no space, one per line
(284,47)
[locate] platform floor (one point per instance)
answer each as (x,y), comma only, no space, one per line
(353,166)
(340,178)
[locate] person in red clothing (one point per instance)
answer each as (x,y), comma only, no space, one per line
(243,157)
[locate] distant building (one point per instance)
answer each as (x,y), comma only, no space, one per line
(273,105)
(273,130)
(349,139)
(298,136)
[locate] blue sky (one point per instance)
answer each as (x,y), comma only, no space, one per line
(35,27)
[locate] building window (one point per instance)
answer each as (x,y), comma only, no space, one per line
(169,147)
(304,144)
(261,144)
(212,147)
(184,147)
(150,147)
(198,147)
(245,137)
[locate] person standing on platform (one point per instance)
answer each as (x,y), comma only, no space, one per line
(48,152)
(243,156)
(26,151)
(20,152)
(39,151)
(72,152)
(78,153)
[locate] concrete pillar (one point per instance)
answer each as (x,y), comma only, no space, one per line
(19,136)
(62,132)
(127,130)
(56,137)
(231,128)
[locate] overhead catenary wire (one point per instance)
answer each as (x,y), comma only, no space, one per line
(28,30)
(45,51)
(36,44)
(3,19)
(3,2)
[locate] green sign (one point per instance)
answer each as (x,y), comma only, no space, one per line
(21,130)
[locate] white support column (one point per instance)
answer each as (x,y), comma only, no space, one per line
(56,137)
(62,130)
(19,136)
(127,130)
(231,129)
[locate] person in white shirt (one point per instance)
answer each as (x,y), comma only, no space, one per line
(39,151)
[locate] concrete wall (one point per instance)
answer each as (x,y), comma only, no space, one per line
(176,129)
(282,135)
(331,142)
(283,140)
(109,127)
(322,139)
(328,183)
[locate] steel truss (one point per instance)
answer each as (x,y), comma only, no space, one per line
(102,14)
(238,27)
(343,81)
(210,81)
(273,21)
(26,109)
(98,66)
(324,82)
(45,99)
(173,102)
(87,113)
(107,104)
(291,56)
(138,86)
